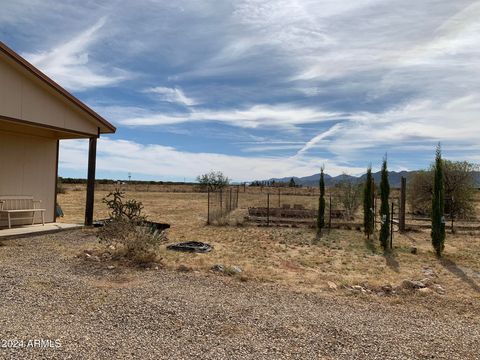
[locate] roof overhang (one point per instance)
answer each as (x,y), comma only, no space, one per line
(103,125)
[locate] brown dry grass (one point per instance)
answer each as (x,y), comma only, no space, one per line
(290,256)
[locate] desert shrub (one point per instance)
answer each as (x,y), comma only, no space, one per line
(124,209)
(136,242)
(60,187)
(126,231)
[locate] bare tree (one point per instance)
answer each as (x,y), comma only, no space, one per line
(214,180)
(459,182)
(348,194)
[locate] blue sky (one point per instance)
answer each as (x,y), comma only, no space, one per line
(260,89)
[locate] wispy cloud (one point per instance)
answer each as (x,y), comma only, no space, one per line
(397,75)
(123,156)
(171,95)
(255,116)
(69,64)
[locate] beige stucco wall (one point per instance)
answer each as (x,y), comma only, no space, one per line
(25,97)
(28,167)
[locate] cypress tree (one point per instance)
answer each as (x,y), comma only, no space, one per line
(438,205)
(368,218)
(321,204)
(384,207)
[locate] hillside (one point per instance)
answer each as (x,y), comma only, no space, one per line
(394,177)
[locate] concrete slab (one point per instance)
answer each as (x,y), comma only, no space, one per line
(37,229)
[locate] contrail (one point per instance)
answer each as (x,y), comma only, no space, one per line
(335,128)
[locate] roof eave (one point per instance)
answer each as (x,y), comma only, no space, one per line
(108,127)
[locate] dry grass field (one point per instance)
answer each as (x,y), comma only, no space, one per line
(290,256)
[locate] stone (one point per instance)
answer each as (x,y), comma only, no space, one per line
(427,282)
(218,268)
(413,284)
(358,288)
(429,272)
(110,267)
(331,285)
(425,290)
(387,288)
(234,269)
(413,250)
(439,289)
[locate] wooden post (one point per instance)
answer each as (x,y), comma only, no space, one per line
(208,206)
(330,214)
(92,157)
(56,183)
(403,201)
(374,204)
(236,201)
(268,209)
(391,228)
(279,198)
(221,202)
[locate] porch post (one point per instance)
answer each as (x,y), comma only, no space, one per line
(92,156)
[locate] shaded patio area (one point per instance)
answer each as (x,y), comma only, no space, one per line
(37,229)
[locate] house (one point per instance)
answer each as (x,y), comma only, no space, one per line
(35,113)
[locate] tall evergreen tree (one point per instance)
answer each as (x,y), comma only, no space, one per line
(368,215)
(321,204)
(438,205)
(384,207)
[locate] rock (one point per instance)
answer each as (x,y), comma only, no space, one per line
(438,289)
(387,288)
(232,270)
(110,267)
(427,282)
(413,284)
(414,251)
(425,291)
(429,272)
(358,288)
(218,268)
(331,285)
(228,270)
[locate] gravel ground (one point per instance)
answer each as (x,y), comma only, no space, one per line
(96,313)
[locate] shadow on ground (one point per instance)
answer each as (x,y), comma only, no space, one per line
(391,262)
(455,270)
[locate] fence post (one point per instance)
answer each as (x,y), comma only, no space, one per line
(374,204)
(403,198)
(208,206)
(330,214)
(268,209)
(278,197)
(230,201)
(236,200)
(391,229)
(221,202)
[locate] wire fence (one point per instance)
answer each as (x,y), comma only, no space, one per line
(221,202)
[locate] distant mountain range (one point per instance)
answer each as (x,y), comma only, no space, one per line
(393,176)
